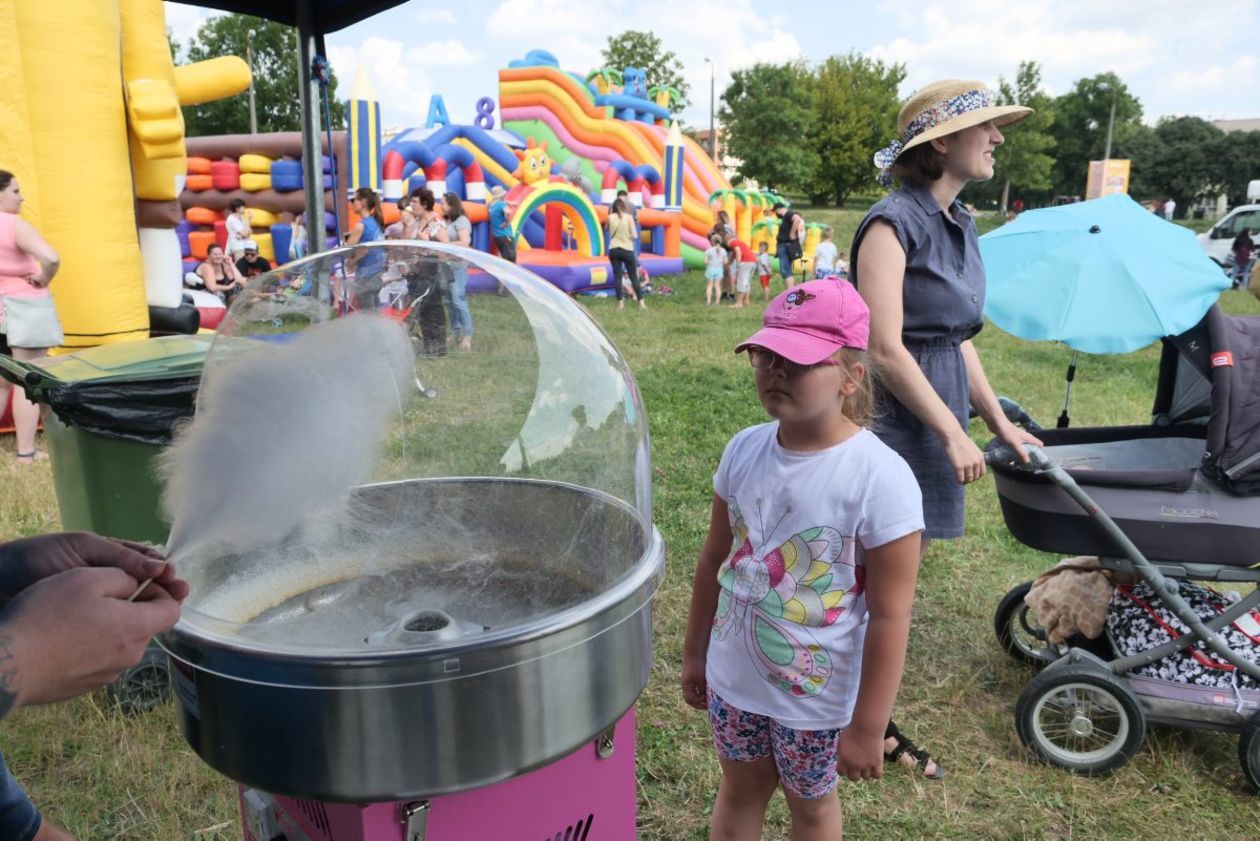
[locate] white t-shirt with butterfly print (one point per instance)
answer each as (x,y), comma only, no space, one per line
(791,618)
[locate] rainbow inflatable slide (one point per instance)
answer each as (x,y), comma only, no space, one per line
(610,143)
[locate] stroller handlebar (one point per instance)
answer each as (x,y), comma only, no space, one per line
(1003,454)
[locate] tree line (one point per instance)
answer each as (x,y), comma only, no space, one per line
(811,129)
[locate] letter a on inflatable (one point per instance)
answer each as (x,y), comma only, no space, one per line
(437,113)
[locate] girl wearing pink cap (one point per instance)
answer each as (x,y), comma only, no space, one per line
(800,609)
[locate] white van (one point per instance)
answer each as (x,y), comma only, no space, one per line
(1217,240)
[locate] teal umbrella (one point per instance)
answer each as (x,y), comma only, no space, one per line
(1101,276)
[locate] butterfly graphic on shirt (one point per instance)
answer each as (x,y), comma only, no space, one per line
(773,597)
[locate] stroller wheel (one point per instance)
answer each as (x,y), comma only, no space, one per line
(144,687)
(1249,750)
(1018,632)
(1080,718)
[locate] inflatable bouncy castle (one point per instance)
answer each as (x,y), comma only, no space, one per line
(93,80)
(567,144)
(619,138)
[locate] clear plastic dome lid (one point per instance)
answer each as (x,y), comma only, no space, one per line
(517,468)
(542,393)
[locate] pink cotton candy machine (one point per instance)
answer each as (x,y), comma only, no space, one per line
(455,653)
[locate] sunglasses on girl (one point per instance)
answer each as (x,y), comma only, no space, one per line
(763,360)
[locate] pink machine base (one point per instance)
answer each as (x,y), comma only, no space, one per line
(588,795)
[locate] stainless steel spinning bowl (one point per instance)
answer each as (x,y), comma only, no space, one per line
(482,627)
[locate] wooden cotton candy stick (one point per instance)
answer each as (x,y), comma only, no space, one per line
(143,584)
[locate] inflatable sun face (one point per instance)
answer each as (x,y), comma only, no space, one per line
(535,165)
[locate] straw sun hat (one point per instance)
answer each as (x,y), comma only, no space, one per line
(939,109)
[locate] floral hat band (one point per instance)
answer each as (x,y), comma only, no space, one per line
(940,109)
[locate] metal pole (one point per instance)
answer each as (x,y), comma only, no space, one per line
(312,154)
(1110,122)
(249,59)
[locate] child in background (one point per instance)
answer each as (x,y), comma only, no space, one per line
(298,244)
(842,265)
(763,269)
(825,256)
(800,608)
(728,272)
(238,228)
(744,261)
(714,270)
(645,282)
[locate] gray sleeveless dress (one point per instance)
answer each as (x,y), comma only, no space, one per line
(942,299)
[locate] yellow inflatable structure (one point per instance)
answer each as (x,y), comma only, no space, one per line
(93,80)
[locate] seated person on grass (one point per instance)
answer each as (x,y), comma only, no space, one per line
(251,264)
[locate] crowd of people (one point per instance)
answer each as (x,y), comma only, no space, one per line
(730,263)
(437,288)
(227,268)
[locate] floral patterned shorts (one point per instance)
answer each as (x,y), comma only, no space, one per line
(805,759)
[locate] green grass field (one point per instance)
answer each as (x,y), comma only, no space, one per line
(106,776)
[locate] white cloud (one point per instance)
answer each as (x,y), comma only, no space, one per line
(1238,75)
(184,21)
(778,47)
(1139,40)
(449,53)
(401,85)
(399,74)
(572,30)
(986,38)
(434,16)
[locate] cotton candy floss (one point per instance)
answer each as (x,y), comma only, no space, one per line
(283,433)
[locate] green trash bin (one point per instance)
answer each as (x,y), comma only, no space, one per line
(113,409)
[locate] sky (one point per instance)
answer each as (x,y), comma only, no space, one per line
(1178,58)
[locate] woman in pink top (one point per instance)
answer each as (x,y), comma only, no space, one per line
(27,266)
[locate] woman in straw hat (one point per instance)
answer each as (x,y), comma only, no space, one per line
(916,261)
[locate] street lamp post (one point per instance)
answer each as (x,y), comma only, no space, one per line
(249,59)
(1110,122)
(712,132)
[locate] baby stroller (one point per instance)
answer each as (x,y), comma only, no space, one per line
(1169,503)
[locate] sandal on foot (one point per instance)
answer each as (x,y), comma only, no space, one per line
(31,457)
(905,746)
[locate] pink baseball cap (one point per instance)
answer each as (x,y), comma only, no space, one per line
(813,320)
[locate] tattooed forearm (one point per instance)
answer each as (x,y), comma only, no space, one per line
(9,679)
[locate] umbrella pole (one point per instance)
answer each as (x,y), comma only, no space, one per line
(1064,420)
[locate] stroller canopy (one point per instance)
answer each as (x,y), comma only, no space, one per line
(1210,374)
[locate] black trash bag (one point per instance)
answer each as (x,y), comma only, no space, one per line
(183,320)
(144,411)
